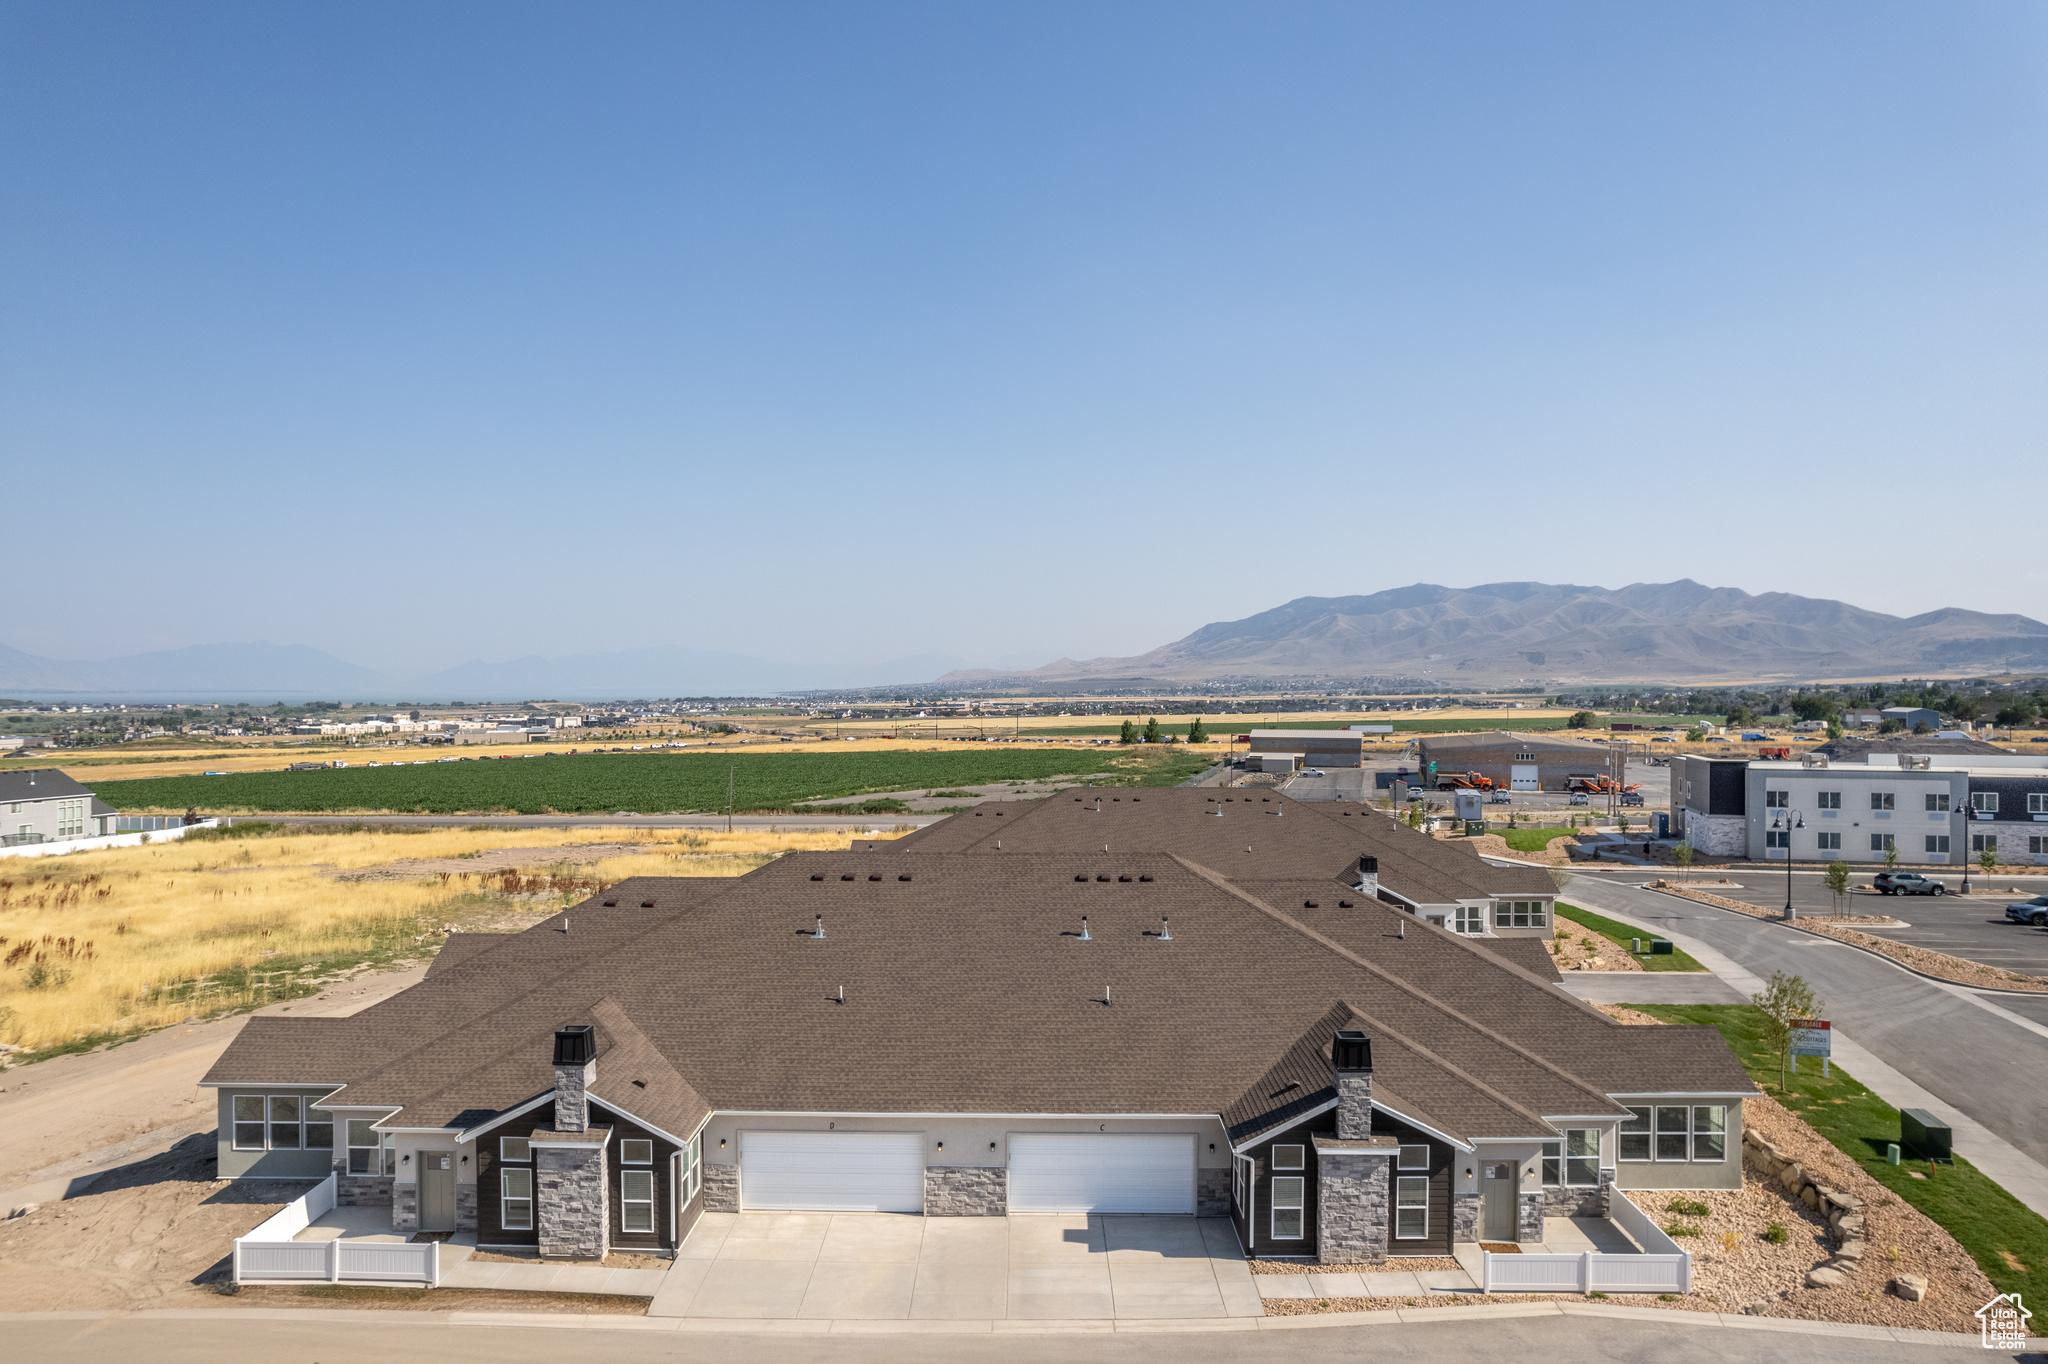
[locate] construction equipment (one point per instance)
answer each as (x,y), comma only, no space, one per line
(1463,781)
(1782,753)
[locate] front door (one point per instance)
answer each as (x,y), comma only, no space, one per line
(437,1190)
(1497,1201)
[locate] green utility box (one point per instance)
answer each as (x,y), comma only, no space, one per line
(1925,1135)
(1660,947)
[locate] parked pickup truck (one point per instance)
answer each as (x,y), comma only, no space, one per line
(2034,911)
(1906,883)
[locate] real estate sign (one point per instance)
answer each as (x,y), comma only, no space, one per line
(1812,1037)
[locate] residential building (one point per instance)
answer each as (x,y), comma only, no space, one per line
(1520,762)
(42,805)
(1175,1002)
(1910,716)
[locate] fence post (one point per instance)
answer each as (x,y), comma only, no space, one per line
(334,1260)
(433,1250)
(237,1275)
(1585,1271)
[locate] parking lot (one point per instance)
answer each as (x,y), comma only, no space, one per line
(1974,927)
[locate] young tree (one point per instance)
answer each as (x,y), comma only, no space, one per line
(1783,999)
(1892,726)
(1695,734)
(1682,855)
(1129,734)
(1988,860)
(1196,734)
(1891,854)
(1151,729)
(1581,719)
(1837,878)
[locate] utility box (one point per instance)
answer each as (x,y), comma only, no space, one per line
(1925,1135)
(1660,947)
(1470,805)
(1662,819)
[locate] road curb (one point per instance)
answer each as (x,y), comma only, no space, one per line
(1793,924)
(845,1326)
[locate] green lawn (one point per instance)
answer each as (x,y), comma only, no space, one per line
(646,783)
(2008,1240)
(1622,935)
(1531,840)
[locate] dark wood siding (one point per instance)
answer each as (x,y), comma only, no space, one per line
(490,1207)
(1257,1234)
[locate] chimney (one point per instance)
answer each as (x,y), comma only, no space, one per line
(575,1069)
(1369,876)
(1351,1060)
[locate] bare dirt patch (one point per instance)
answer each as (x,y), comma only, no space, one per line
(490,860)
(1581,949)
(1621,1013)
(152,1234)
(344,1297)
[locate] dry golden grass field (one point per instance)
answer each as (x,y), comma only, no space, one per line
(108,944)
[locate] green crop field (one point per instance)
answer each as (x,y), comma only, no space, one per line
(652,783)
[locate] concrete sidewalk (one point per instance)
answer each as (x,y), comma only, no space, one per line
(544,1278)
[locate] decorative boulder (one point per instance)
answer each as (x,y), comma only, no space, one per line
(1825,1277)
(1911,1287)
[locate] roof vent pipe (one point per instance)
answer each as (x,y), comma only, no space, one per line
(819,933)
(1084,929)
(1165,930)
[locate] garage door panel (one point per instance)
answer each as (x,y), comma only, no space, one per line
(1102,1172)
(832,1171)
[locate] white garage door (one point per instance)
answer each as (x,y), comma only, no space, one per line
(832,1171)
(1102,1172)
(1522,777)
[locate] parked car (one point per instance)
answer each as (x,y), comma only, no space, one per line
(1311,771)
(1907,883)
(2034,911)
(1631,798)
(1500,796)
(1580,798)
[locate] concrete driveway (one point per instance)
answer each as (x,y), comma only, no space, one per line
(883,1266)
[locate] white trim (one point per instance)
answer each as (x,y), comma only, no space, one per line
(1688,1094)
(472,1133)
(1265,1132)
(1294,1121)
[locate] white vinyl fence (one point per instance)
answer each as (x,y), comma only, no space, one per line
(269,1253)
(56,848)
(1664,1268)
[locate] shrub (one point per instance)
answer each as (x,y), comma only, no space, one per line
(1596,1293)
(1776,1234)
(1687,1207)
(1683,1229)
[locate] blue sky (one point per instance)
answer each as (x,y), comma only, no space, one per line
(826,332)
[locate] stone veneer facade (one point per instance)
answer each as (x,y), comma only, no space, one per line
(572,1194)
(1212,1193)
(1529,1207)
(1578,1200)
(1464,1218)
(966,1191)
(721,1188)
(1353,1194)
(405,1207)
(465,1207)
(362,1191)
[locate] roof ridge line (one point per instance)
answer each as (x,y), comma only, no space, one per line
(1451,1066)
(1347,954)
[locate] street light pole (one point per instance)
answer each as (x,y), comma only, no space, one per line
(1785,822)
(1969,813)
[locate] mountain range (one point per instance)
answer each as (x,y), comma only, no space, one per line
(1559,633)
(1543,633)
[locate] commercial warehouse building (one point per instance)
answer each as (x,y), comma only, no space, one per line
(1520,762)
(1310,747)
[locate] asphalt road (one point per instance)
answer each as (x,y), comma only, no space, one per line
(611,821)
(207,1337)
(1985,1064)
(1974,927)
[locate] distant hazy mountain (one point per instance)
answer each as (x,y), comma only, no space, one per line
(1558,633)
(273,672)
(242,672)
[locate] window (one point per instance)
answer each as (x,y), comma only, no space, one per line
(1553,1164)
(1289,1157)
(319,1129)
(1582,1156)
(1520,914)
(248,1122)
(1288,1193)
(515,1195)
(636,1200)
(1937,804)
(1829,800)
(364,1142)
(1880,843)
(1882,800)
(516,1149)
(1673,1127)
(1238,1170)
(1777,838)
(1982,843)
(636,1152)
(1635,1135)
(1412,1158)
(2037,846)
(1937,843)
(1829,842)
(2037,802)
(693,1168)
(1984,802)
(1710,1134)
(1777,800)
(1471,920)
(284,1122)
(1411,1207)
